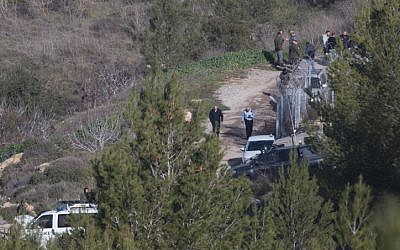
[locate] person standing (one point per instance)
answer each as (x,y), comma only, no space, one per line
(331,43)
(345,40)
(248,117)
(294,53)
(310,52)
(325,40)
(278,42)
(216,117)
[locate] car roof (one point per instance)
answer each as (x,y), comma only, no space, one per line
(261,138)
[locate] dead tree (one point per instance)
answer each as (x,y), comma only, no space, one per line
(94,135)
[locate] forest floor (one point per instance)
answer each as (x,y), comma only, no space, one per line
(236,93)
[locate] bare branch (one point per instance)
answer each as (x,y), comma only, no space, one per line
(93,136)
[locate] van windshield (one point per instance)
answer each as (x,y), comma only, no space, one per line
(259,145)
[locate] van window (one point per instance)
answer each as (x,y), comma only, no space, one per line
(63,220)
(46,221)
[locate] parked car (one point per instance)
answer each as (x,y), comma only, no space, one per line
(256,144)
(269,162)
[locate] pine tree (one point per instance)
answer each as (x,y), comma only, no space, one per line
(261,232)
(366,114)
(161,183)
(164,43)
(353,225)
(302,219)
(231,25)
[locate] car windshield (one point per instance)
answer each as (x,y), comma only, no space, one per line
(259,145)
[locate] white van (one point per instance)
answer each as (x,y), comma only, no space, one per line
(50,223)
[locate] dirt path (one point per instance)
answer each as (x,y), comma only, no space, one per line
(237,94)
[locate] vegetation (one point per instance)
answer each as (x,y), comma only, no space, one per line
(163,184)
(9,151)
(354,228)
(157,178)
(228,61)
(365,116)
(303,220)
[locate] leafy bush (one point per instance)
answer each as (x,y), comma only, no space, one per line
(10,150)
(228,61)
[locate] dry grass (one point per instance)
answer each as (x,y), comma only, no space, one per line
(71,46)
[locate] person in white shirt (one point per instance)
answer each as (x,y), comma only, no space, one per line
(248,117)
(325,38)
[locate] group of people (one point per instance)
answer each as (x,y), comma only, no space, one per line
(330,42)
(216,117)
(294,53)
(328,39)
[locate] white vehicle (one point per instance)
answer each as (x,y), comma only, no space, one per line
(51,223)
(255,144)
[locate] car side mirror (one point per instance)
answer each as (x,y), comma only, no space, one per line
(242,149)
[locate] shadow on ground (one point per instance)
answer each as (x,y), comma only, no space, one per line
(234,161)
(234,132)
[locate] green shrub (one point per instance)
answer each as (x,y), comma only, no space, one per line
(9,151)
(36,178)
(228,61)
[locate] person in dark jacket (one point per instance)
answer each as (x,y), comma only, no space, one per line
(294,53)
(331,43)
(345,40)
(278,42)
(310,50)
(216,117)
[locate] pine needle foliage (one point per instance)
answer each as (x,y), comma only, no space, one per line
(364,120)
(354,229)
(302,219)
(164,184)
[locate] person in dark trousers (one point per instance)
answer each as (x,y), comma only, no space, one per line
(310,50)
(278,42)
(216,117)
(20,208)
(247,118)
(345,40)
(331,43)
(325,38)
(89,195)
(294,53)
